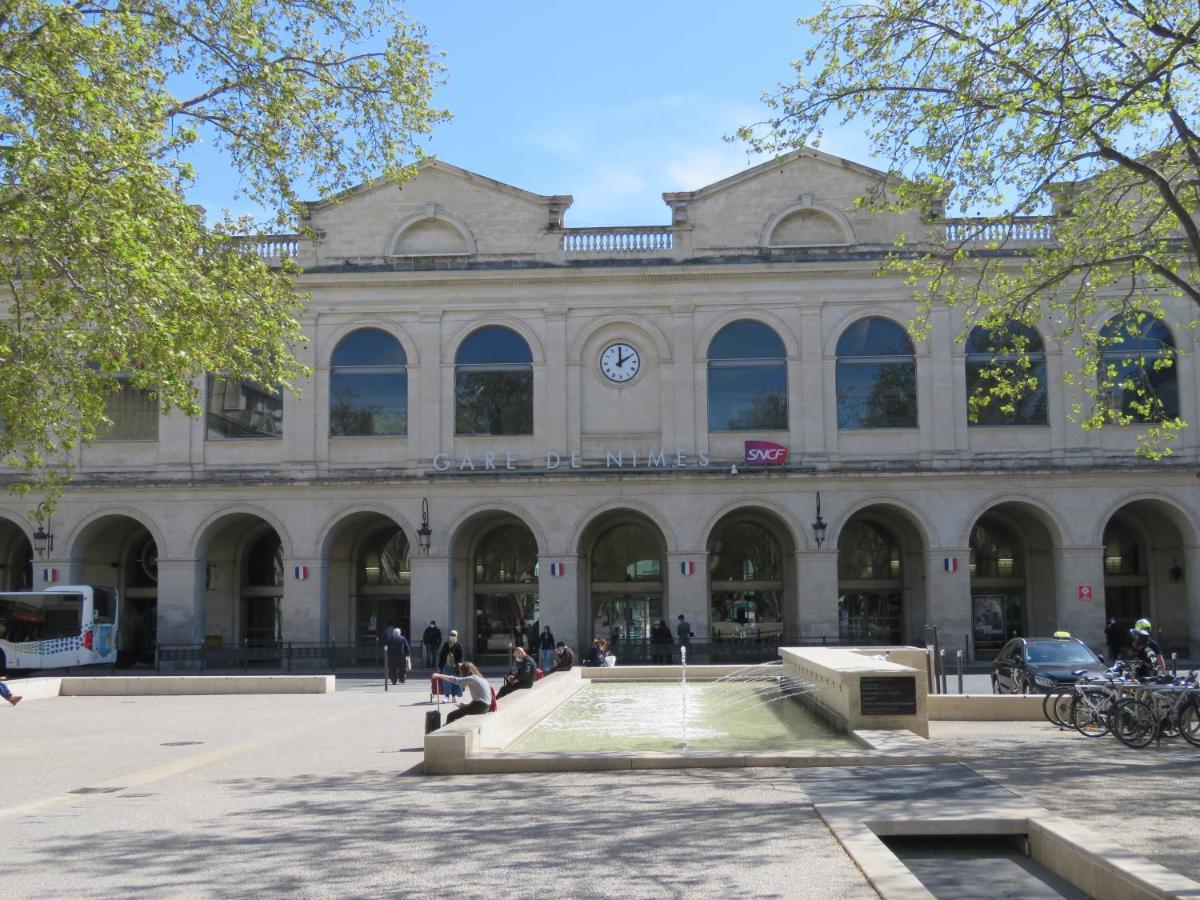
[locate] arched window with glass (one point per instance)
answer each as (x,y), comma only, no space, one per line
(626,582)
(368,386)
(505,590)
(870,585)
(382,584)
(240,408)
(493,383)
(1138,376)
(745,571)
(876,376)
(747,379)
(1006,376)
(998,602)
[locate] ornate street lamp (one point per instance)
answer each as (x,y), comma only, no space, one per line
(43,538)
(424,533)
(818,525)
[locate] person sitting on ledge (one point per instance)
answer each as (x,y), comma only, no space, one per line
(523,674)
(564,658)
(482,695)
(596,656)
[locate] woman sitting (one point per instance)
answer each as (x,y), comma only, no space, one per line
(596,656)
(481,692)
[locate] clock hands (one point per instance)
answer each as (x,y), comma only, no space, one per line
(620,359)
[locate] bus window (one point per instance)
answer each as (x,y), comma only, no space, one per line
(41,617)
(104,603)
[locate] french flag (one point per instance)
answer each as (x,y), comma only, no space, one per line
(687,568)
(301,573)
(950,563)
(557,569)
(49,575)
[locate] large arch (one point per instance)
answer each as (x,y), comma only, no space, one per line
(752,590)
(16,554)
(1146,541)
(1013,573)
(120,547)
(495,602)
(626,580)
(882,593)
(241,598)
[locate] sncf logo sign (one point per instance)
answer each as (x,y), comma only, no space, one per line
(766,453)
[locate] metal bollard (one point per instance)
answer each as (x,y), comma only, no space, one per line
(929,670)
(385,669)
(1174,664)
(958,654)
(942,670)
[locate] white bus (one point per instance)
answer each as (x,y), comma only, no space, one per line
(67,625)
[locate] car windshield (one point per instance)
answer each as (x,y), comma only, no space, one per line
(1065,652)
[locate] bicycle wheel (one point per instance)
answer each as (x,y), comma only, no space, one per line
(1189,721)
(1091,714)
(1049,706)
(1134,723)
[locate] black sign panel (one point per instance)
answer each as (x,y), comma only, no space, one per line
(890,695)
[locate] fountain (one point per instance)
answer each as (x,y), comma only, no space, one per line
(683,690)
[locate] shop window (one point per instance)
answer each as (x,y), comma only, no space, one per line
(747,379)
(239,408)
(493,384)
(1138,374)
(368,386)
(876,376)
(1007,366)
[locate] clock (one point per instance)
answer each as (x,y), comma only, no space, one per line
(620,362)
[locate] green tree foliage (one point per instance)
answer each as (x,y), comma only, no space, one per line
(104,266)
(1000,108)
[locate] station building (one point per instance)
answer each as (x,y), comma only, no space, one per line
(513,421)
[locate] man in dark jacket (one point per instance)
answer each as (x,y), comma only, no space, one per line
(522,675)
(431,640)
(564,658)
(397,654)
(661,643)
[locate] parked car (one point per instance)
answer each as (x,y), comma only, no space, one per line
(1040,664)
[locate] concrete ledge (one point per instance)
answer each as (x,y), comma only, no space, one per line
(673,673)
(985,708)
(175,685)
(33,689)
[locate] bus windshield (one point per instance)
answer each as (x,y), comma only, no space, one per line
(40,617)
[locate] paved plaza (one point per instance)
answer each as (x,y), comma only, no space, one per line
(321,795)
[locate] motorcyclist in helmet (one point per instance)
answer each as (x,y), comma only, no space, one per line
(1143,624)
(1145,660)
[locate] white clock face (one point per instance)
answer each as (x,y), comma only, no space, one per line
(619,362)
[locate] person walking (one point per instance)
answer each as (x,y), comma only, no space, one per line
(1117,636)
(430,641)
(8,695)
(448,661)
(661,643)
(546,649)
(398,651)
(684,631)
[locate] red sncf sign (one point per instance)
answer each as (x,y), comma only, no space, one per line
(765,453)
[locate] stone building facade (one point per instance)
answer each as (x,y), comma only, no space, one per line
(590,421)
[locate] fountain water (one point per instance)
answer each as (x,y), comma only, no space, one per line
(683,690)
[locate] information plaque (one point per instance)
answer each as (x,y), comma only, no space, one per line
(890,695)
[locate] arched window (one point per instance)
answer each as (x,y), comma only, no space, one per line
(745,570)
(998,596)
(243,409)
(383,559)
(876,376)
(626,583)
(368,385)
(747,379)
(999,360)
(870,585)
(1137,369)
(493,383)
(505,590)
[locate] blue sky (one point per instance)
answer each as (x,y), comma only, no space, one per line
(613,103)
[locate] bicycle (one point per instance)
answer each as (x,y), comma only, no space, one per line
(1159,711)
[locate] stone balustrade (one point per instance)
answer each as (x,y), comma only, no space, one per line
(1002,232)
(627,240)
(274,248)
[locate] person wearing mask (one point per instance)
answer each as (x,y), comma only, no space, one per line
(522,675)
(397,654)
(481,692)
(430,641)
(564,658)
(449,659)
(546,649)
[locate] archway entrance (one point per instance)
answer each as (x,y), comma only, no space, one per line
(625,559)
(16,558)
(748,580)
(242,556)
(880,598)
(496,604)
(369,582)
(117,550)
(1012,578)
(1144,572)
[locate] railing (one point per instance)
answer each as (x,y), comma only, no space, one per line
(1019,229)
(633,239)
(273,247)
(306,655)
